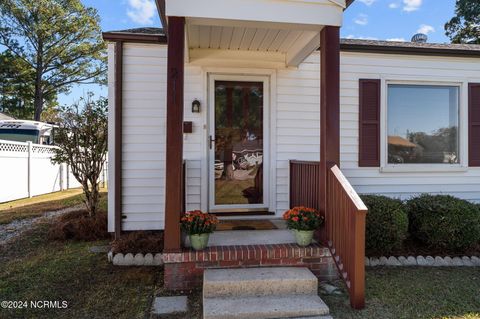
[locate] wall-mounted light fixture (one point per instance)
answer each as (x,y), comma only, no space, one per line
(196,106)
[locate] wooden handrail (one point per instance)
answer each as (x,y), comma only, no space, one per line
(345,226)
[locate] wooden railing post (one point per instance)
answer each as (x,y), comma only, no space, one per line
(357,295)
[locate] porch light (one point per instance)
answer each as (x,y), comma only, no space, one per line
(196,106)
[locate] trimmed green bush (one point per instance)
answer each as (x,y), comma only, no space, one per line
(444,222)
(387,224)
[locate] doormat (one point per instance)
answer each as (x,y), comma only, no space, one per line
(245,225)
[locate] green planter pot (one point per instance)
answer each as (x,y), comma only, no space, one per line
(303,237)
(199,241)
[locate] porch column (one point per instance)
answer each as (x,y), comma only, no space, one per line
(174,148)
(329,107)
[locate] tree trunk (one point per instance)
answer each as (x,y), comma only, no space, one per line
(38,100)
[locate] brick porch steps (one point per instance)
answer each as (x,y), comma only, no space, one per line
(261,293)
(184,271)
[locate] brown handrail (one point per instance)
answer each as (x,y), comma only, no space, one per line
(345,226)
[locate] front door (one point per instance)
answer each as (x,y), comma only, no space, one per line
(237,141)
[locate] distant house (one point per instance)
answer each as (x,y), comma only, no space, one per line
(273,77)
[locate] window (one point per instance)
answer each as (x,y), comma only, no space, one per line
(19,135)
(422,124)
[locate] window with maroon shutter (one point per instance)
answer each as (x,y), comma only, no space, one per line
(474,124)
(369,143)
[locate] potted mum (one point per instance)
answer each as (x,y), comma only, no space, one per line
(198,226)
(303,221)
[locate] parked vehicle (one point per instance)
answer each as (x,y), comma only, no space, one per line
(27,131)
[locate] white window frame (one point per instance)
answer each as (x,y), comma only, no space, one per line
(462,120)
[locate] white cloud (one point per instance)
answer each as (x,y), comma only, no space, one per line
(351,36)
(425,29)
(367,2)
(411,5)
(361,19)
(396,39)
(141,11)
(393,5)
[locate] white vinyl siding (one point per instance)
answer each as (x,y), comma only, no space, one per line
(144,135)
(298,121)
(295,128)
(144,114)
(354,66)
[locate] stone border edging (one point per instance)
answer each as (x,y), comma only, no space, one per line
(427,261)
(135,260)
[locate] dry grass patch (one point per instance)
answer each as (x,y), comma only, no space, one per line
(39,205)
(139,242)
(78,225)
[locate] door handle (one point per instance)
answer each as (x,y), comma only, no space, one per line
(212,140)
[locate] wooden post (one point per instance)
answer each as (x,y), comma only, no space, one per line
(174,157)
(329,110)
(357,292)
(118,137)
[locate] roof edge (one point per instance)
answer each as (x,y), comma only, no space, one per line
(161,13)
(365,48)
(134,37)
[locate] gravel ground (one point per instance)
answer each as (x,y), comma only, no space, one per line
(16,228)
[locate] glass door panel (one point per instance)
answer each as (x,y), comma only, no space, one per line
(238,143)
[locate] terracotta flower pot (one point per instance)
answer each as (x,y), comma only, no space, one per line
(303,237)
(199,241)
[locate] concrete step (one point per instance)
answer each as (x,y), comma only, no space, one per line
(264,307)
(259,282)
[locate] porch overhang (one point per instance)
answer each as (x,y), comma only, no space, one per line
(254,33)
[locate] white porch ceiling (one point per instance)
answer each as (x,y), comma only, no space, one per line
(241,38)
(254,33)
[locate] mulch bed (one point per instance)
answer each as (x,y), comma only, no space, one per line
(142,242)
(78,225)
(414,248)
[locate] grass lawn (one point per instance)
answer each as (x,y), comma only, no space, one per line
(38,205)
(422,292)
(33,268)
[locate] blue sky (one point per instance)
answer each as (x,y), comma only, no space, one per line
(368,19)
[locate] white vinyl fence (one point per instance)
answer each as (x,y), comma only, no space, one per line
(26,170)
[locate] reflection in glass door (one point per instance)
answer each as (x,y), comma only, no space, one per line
(237,144)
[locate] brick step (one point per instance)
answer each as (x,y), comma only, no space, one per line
(264,307)
(259,282)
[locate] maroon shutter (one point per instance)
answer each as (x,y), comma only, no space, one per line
(474,124)
(369,143)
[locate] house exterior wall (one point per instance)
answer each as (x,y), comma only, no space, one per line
(463,182)
(294,132)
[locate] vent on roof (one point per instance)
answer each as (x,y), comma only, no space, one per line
(420,38)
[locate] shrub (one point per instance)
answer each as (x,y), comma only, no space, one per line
(387,224)
(78,225)
(444,222)
(139,242)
